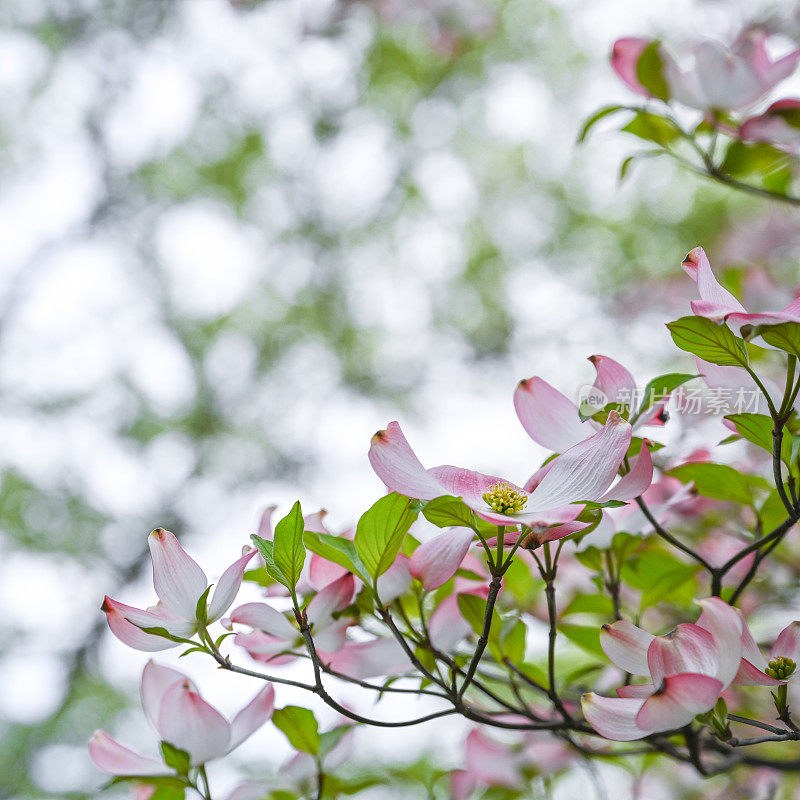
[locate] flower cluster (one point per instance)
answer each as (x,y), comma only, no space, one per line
(391,607)
(742,139)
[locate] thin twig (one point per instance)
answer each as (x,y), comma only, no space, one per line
(668,537)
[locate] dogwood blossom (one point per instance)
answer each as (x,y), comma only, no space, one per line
(688,669)
(179,583)
(583,472)
(718,304)
(713,76)
(778,126)
(553,420)
(180,717)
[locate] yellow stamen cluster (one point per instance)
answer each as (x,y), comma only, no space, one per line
(504,498)
(780,668)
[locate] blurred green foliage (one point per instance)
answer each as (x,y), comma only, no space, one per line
(527,207)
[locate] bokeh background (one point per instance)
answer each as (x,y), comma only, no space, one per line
(238,237)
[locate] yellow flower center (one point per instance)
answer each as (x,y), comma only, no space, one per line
(780,668)
(504,498)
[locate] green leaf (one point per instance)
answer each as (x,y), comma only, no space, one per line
(589,604)
(719,481)
(790,115)
(299,726)
(591,505)
(337,549)
(196,649)
(265,547)
(513,643)
(520,582)
(711,342)
(288,552)
(169,793)
(176,785)
(586,637)
(757,429)
(650,71)
(473,609)
(660,387)
(426,658)
(636,446)
(747,158)
(653,128)
(176,758)
(201,610)
(779,179)
(448,511)
(580,675)
(381,530)
(164,633)
(536,674)
(623,544)
(627,164)
(591,558)
(329,739)
(785,336)
(260,576)
(772,512)
(595,118)
(586,411)
(664,585)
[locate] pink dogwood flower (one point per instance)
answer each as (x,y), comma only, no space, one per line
(179,583)
(370,659)
(688,668)
(779,126)
(552,420)
(754,670)
(720,305)
(272,634)
(717,77)
(434,562)
(625,55)
(180,717)
(584,472)
(488,763)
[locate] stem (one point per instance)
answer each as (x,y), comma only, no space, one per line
(477,684)
(501,535)
(777,442)
(612,584)
(783,737)
(751,573)
(206,790)
(375,687)
(484,544)
(668,537)
(772,410)
(494,589)
(318,687)
(386,616)
(320,779)
(549,575)
(755,723)
(774,536)
(748,188)
(712,172)
(786,404)
(225,663)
